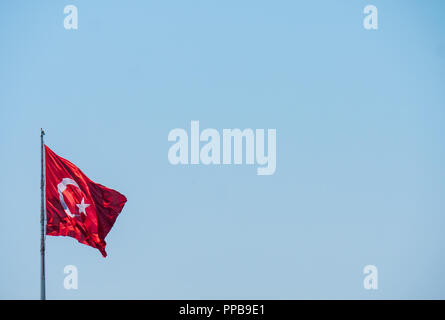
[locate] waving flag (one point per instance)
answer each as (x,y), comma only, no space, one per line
(76,206)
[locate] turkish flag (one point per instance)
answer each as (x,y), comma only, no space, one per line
(76,206)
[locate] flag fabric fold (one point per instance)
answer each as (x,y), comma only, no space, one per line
(76,206)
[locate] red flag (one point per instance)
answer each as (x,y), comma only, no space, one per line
(76,206)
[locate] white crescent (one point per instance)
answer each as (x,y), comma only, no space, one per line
(61,187)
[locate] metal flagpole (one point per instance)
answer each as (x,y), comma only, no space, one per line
(42,218)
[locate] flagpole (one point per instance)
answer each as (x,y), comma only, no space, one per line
(42,217)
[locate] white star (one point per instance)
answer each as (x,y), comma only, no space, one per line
(82,206)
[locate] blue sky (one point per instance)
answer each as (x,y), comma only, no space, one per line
(360,172)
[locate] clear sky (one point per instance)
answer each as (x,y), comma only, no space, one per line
(359,115)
